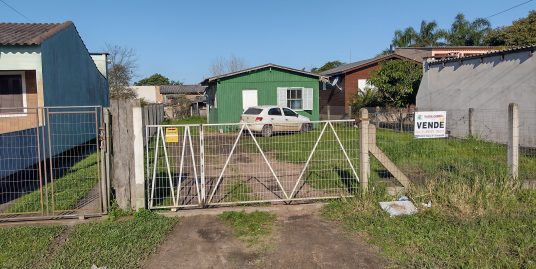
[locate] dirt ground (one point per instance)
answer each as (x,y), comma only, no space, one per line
(301,239)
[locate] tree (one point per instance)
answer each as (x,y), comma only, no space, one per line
(428,35)
(222,65)
(154,80)
(121,69)
(361,99)
(327,66)
(396,82)
(466,33)
(405,38)
(520,33)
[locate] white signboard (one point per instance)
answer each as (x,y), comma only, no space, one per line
(430,124)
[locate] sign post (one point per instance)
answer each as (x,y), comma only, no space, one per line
(430,124)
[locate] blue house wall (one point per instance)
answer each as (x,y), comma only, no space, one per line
(70,78)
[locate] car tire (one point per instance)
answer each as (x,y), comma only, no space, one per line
(267,130)
(306,127)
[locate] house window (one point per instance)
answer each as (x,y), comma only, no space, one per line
(294,98)
(12,93)
(297,98)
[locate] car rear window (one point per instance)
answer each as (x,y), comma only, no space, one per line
(253,111)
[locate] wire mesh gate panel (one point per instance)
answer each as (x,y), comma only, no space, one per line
(216,164)
(50,163)
(173,166)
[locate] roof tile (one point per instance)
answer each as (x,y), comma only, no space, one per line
(29,33)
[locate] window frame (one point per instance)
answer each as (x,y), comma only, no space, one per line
(24,101)
(295,99)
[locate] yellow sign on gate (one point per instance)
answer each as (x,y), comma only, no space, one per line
(172,135)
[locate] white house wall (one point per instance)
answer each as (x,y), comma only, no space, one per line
(148,93)
(488,85)
(23,58)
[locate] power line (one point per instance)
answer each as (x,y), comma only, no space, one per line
(501,12)
(14,9)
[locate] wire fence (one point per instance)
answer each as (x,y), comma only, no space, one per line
(219,164)
(476,146)
(50,162)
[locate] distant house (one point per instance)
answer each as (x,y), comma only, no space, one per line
(345,81)
(43,65)
(348,78)
(486,83)
(442,52)
(230,94)
(194,93)
(150,94)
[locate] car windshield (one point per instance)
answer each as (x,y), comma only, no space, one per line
(253,111)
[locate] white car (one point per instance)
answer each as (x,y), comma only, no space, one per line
(270,119)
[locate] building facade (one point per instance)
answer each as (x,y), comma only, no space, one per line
(230,94)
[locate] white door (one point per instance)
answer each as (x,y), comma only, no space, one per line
(249,98)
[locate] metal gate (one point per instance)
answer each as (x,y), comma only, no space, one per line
(218,164)
(51,162)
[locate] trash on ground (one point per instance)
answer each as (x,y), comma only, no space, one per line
(427,205)
(398,208)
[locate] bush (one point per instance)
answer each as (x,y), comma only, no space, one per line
(361,99)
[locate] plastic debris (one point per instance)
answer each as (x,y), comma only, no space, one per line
(398,208)
(427,205)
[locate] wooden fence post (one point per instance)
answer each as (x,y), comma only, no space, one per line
(471,131)
(513,139)
(121,111)
(364,162)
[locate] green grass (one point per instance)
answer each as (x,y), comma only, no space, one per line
(189,120)
(237,191)
(122,243)
(250,227)
(480,224)
(21,247)
(68,190)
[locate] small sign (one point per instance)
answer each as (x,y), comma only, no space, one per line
(430,124)
(172,135)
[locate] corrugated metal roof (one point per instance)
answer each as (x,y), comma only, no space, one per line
(321,77)
(29,33)
(182,89)
(489,54)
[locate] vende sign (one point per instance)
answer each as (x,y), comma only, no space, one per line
(430,124)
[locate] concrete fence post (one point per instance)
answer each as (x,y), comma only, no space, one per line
(470,123)
(329,112)
(105,158)
(364,162)
(138,166)
(513,139)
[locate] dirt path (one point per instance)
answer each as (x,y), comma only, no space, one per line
(299,240)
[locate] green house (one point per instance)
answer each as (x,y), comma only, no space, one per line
(230,94)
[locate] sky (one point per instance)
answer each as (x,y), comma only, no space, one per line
(181,39)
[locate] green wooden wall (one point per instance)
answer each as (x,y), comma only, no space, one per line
(265,81)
